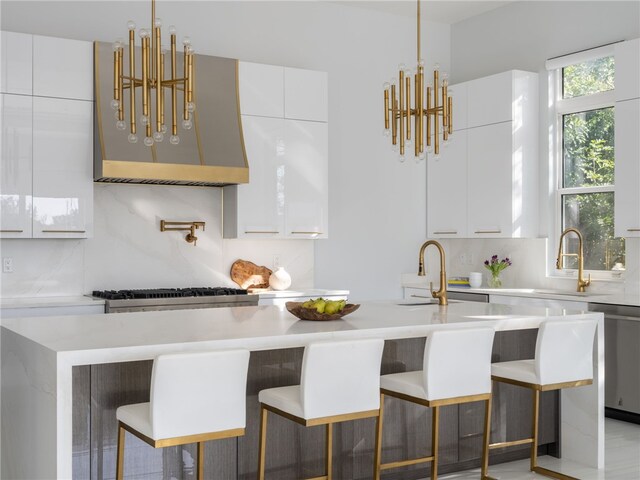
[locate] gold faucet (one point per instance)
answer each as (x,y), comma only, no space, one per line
(582,283)
(441,294)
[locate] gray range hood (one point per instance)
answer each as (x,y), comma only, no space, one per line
(209,154)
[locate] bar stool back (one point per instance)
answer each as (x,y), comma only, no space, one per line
(194,397)
(340,381)
(563,359)
(456,369)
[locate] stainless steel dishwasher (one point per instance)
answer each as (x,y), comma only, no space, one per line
(622,360)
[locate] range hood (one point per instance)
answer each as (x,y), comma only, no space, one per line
(209,154)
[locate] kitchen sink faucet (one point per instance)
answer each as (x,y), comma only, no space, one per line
(441,294)
(582,283)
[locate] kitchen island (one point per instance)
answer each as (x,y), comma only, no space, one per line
(51,369)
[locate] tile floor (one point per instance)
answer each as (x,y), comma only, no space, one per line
(621,461)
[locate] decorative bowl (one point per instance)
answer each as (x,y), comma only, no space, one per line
(296,309)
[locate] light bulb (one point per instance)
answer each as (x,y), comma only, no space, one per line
(190,49)
(133,138)
(186,124)
(158,136)
(157,22)
(117,45)
(186,41)
(164,128)
(116,115)
(407,72)
(436,66)
(144,33)
(421,62)
(174,139)
(120,125)
(444,75)
(395,148)
(163,49)
(401,67)
(401,158)
(385,86)
(408,143)
(445,143)
(191,106)
(172,29)
(144,120)
(115,104)
(386,132)
(429,149)
(394,82)
(421,157)
(436,156)
(131,25)
(148,141)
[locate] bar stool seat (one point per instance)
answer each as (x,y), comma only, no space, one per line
(456,369)
(563,359)
(195,397)
(340,381)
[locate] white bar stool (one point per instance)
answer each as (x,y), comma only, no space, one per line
(340,381)
(456,369)
(195,397)
(563,359)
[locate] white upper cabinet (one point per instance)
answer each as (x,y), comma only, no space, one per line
(261,89)
(306,179)
(62,68)
(62,168)
(16,166)
(627,59)
(447,208)
(306,95)
(256,209)
(484,185)
(627,171)
(16,69)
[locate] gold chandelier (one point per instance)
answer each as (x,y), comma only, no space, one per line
(152,79)
(435,106)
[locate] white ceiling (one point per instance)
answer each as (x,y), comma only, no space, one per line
(442,11)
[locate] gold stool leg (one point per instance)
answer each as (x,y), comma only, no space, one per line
(329,450)
(377,455)
(534,429)
(263,442)
(120,453)
(486,439)
(200,460)
(435,426)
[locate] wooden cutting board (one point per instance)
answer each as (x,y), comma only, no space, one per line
(249,275)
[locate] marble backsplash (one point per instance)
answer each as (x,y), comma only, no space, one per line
(129,251)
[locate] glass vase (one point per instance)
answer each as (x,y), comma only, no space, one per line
(495,281)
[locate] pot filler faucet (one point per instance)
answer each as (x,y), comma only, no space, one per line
(441,294)
(582,283)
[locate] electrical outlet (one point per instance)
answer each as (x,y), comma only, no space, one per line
(276,261)
(7,265)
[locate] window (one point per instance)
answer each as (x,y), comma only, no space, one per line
(585,162)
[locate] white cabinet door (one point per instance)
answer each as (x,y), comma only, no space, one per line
(627,168)
(260,203)
(490,99)
(490,184)
(447,190)
(261,89)
(459,116)
(306,179)
(305,95)
(62,168)
(62,68)
(16,167)
(16,58)
(627,58)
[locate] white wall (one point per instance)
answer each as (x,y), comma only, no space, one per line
(377,206)
(523,35)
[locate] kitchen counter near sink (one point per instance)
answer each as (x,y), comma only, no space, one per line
(38,356)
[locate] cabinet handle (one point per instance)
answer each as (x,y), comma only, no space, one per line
(488,231)
(633,229)
(446,232)
(306,233)
(421,296)
(261,231)
(11,231)
(63,231)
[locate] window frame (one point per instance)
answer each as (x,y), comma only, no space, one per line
(560,106)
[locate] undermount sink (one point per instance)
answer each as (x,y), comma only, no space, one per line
(434,301)
(562,292)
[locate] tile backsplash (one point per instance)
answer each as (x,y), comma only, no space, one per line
(129,251)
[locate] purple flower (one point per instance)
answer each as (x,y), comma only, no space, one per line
(486,262)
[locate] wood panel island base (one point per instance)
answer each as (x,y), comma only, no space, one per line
(64,377)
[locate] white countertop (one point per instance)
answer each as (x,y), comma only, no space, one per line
(43,302)
(92,339)
(588,297)
(314,292)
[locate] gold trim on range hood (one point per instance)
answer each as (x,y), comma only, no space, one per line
(212,153)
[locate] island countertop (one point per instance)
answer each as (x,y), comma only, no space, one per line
(92,339)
